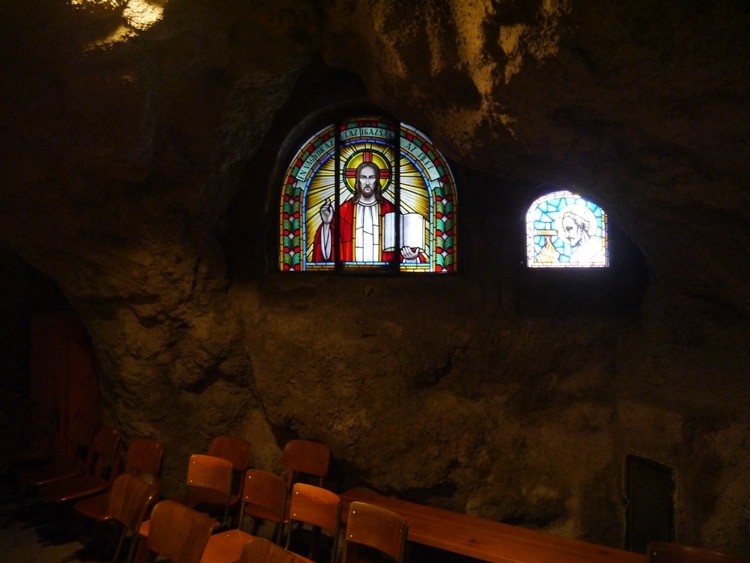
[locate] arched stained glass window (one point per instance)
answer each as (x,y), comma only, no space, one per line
(564,230)
(368,195)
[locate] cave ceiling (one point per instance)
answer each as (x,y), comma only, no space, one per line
(132,120)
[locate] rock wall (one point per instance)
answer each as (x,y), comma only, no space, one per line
(140,172)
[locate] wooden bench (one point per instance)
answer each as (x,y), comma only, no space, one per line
(486,539)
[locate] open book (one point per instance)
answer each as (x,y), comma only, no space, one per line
(412,231)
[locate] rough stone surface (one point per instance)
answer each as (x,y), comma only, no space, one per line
(140,168)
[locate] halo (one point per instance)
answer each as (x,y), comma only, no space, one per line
(582,211)
(378,158)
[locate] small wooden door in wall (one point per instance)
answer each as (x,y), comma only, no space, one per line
(64,384)
(650,496)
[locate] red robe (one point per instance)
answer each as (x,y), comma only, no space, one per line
(346,248)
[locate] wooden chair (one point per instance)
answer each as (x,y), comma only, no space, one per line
(103,466)
(263,498)
(128,501)
(143,459)
(178,532)
(373,527)
(211,478)
(665,552)
(209,485)
(261,550)
(71,461)
(305,458)
(236,450)
(319,508)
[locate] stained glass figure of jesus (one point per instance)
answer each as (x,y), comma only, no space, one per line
(364,237)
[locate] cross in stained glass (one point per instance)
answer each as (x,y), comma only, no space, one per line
(351,173)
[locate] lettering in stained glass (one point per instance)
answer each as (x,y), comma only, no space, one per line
(368,194)
(564,230)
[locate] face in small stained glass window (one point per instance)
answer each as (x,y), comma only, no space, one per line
(566,230)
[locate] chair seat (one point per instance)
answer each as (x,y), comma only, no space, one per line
(144,528)
(58,470)
(263,512)
(143,459)
(202,495)
(225,547)
(74,488)
(96,507)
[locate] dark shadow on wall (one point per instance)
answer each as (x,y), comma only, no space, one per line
(250,235)
(561,292)
(23,291)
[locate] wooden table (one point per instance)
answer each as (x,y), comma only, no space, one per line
(486,539)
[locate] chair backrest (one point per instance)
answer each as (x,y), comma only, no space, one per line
(104,458)
(129,499)
(236,450)
(264,497)
(210,472)
(318,507)
(178,532)
(377,528)
(665,552)
(144,458)
(209,482)
(305,457)
(79,441)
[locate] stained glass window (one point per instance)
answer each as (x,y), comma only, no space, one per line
(564,230)
(366,195)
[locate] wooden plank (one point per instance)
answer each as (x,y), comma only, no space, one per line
(486,539)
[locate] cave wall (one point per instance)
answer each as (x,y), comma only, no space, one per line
(140,172)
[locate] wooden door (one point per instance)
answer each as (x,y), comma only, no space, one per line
(64,384)
(650,495)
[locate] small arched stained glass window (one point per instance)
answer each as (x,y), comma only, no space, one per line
(368,194)
(564,230)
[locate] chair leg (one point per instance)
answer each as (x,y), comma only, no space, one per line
(140,550)
(135,542)
(97,548)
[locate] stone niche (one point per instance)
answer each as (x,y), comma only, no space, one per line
(145,188)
